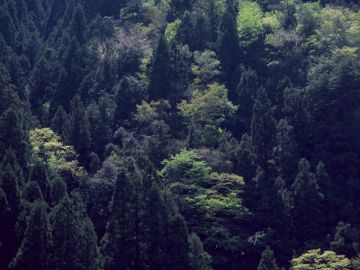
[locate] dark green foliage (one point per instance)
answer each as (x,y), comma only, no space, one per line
(262,130)
(229,45)
(121,242)
(159,84)
(60,124)
(267,261)
(186,116)
(198,258)
(11,209)
(36,246)
(308,207)
(74,236)
(80,129)
(155,229)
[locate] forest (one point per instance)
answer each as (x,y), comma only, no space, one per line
(179,135)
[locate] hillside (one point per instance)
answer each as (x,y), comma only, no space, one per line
(179,134)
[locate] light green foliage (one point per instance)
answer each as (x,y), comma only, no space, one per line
(48,146)
(272,20)
(249,22)
(315,259)
(171,30)
(213,203)
(145,112)
(211,107)
(186,167)
(308,18)
(148,112)
(211,193)
(338,27)
(206,68)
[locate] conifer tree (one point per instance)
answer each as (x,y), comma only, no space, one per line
(60,124)
(10,187)
(285,151)
(32,192)
(78,24)
(229,45)
(199,259)
(159,84)
(262,130)
(308,204)
(34,252)
(155,230)
(14,135)
(39,174)
(246,93)
(267,261)
(40,81)
(80,129)
(121,242)
(74,236)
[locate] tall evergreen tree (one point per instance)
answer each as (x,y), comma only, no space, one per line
(159,84)
(60,124)
(229,46)
(155,230)
(10,187)
(74,236)
(285,151)
(262,130)
(308,211)
(14,135)
(34,252)
(121,243)
(39,174)
(246,93)
(80,136)
(199,259)
(267,261)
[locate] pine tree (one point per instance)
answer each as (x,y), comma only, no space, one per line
(285,152)
(159,84)
(4,230)
(308,211)
(39,174)
(121,242)
(267,261)
(262,130)
(32,192)
(60,124)
(229,45)
(10,187)
(74,236)
(78,25)
(178,243)
(70,76)
(80,129)
(198,257)
(14,135)
(155,230)
(40,80)
(34,252)
(246,93)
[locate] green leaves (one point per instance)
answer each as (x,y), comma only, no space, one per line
(49,147)
(249,22)
(316,259)
(209,107)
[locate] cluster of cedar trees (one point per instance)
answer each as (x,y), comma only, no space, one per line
(282,113)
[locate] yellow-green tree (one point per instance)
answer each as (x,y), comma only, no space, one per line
(206,111)
(316,260)
(249,22)
(48,146)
